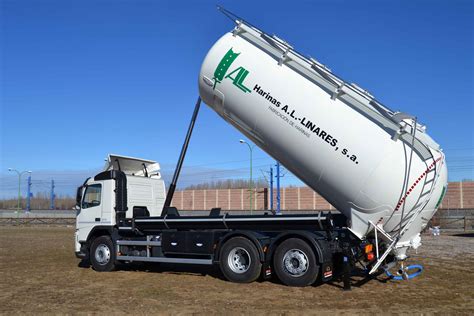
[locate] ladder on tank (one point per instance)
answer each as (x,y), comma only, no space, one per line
(429,178)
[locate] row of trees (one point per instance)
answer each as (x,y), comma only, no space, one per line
(228,184)
(40,201)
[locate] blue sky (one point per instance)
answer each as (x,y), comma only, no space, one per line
(81,79)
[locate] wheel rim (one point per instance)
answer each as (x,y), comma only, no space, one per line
(239,260)
(102,254)
(295,262)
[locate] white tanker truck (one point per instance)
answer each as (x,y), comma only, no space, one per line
(378,167)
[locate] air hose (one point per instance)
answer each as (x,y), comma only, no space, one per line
(417,267)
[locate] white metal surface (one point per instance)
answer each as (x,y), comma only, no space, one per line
(142,191)
(333,135)
(149,192)
(132,165)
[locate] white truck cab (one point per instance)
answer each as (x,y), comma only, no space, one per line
(126,188)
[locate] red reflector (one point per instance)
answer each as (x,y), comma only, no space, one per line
(370,256)
(327,274)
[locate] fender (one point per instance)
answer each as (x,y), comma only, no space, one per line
(257,239)
(95,232)
(316,241)
(100,230)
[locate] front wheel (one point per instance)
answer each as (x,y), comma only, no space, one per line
(102,254)
(239,260)
(295,263)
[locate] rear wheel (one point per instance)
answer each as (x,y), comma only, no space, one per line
(102,254)
(295,263)
(239,260)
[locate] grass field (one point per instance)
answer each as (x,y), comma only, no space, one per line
(40,274)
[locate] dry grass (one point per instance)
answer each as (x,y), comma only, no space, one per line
(39,274)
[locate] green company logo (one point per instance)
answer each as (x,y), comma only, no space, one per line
(237,75)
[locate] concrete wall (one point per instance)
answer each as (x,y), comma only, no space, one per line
(226,199)
(460,195)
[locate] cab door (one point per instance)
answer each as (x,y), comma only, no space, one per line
(91,205)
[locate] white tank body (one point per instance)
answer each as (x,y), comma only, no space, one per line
(335,137)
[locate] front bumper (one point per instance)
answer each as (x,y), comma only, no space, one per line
(83,253)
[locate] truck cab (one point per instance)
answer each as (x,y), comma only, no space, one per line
(126,188)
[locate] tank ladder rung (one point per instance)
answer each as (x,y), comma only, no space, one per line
(427,192)
(429,181)
(419,204)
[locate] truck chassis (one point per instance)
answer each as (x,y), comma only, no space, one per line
(297,248)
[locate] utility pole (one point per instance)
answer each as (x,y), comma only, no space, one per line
(19,185)
(271,189)
(270,182)
(250,181)
(28,196)
(51,206)
(278,209)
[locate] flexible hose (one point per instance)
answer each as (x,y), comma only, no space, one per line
(418,267)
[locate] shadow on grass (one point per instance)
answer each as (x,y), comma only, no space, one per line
(84,263)
(168,268)
(155,267)
(464,235)
(358,278)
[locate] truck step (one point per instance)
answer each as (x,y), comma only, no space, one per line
(166,260)
(139,243)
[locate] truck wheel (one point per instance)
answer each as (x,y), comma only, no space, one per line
(295,263)
(239,260)
(102,255)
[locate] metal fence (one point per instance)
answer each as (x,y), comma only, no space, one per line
(454,219)
(30,221)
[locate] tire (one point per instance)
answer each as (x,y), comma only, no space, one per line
(240,261)
(102,254)
(295,263)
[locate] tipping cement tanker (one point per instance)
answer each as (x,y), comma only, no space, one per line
(378,167)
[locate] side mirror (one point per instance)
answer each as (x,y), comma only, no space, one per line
(79,196)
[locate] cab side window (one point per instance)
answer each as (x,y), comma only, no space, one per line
(92,196)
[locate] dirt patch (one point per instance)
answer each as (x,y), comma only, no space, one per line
(39,274)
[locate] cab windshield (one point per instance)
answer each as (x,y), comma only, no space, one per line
(92,196)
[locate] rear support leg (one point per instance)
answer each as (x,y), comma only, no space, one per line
(346,277)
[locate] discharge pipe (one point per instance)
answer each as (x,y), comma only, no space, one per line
(404,275)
